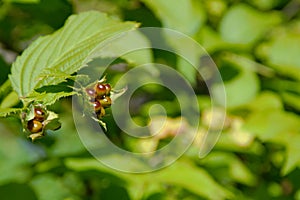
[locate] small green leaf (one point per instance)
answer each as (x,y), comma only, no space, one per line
(64,52)
(272,125)
(52,123)
(49,187)
(266,101)
(48,98)
(234,167)
(239,91)
(282,54)
(211,40)
(186,16)
(292,100)
(292,152)
(4,112)
(245,25)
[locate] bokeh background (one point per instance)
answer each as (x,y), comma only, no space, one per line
(256,46)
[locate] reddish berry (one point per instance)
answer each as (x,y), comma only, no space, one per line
(106,102)
(39,114)
(91,92)
(108,89)
(97,105)
(34,126)
(100,89)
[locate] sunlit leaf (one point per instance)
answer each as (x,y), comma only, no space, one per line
(282,53)
(181,173)
(234,167)
(292,100)
(186,16)
(292,148)
(245,25)
(48,186)
(48,98)
(4,112)
(272,125)
(66,50)
(239,91)
(22,1)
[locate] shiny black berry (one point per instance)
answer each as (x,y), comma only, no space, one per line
(34,126)
(96,105)
(108,89)
(100,89)
(39,114)
(105,102)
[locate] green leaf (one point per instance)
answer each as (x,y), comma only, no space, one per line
(272,125)
(66,142)
(211,40)
(239,91)
(52,123)
(186,16)
(266,101)
(5,89)
(48,98)
(190,177)
(282,53)
(10,100)
(235,168)
(265,4)
(4,112)
(292,152)
(15,155)
(125,46)
(22,1)
(64,51)
(245,25)
(292,100)
(49,187)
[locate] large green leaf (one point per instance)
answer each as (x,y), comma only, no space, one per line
(64,51)
(182,173)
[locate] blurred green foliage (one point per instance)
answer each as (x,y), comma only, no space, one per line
(255,44)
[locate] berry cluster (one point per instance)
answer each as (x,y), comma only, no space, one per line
(99,96)
(36,124)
